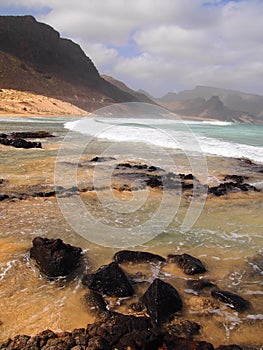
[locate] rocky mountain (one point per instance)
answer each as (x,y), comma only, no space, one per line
(33,57)
(141,95)
(216,103)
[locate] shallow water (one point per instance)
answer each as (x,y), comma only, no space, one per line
(227,237)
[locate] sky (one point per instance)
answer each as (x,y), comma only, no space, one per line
(162,45)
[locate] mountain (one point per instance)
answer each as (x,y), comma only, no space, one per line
(142,96)
(34,58)
(215,102)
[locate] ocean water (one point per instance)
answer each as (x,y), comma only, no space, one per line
(226,235)
(211,138)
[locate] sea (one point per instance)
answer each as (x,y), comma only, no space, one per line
(224,232)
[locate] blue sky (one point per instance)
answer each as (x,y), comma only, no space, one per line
(162,45)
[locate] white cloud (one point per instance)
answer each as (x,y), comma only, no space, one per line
(176,44)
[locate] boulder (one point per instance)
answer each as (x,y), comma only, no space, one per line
(136,257)
(161,301)
(189,264)
(54,257)
(109,280)
(234,301)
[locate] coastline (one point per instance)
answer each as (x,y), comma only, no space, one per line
(29,174)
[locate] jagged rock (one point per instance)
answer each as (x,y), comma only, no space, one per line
(109,280)
(189,264)
(54,257)
(161,301)
(136,257)
(224,188)
(98,343)
(234,301)
(20,143)
(113,328)
(31,134)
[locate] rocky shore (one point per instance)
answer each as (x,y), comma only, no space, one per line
(155,320)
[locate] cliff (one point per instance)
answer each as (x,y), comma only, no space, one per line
(34,58)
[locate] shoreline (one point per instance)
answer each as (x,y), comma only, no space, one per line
(38,214)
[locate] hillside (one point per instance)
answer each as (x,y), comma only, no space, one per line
(137,94)
(34,58)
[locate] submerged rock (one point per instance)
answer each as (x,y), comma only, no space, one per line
(161,301)
(200,284)
(54,257)
(234,301)
(189,264)
(95,302)
(109,280)
(136,256)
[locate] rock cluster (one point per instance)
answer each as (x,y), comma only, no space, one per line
(161,302)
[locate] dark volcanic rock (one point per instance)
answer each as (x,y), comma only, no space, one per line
(113,328)
(109,280)
(102,159)
(136,256)
(189,264)
(54,257)
(228,187)
(199,285)
(234,301)
(95,303)
(31,134)
(20,143)
(161,301)
(3,196)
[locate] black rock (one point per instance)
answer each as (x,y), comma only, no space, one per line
(3,196)
(136,256)
(161,301)
(20,143)
(54,257)
(113,328)
(102,159)
(189,264)
(199,285)
(109,280)
(234,301)
(95,302)
(98,343)
(236,178)
(31,134)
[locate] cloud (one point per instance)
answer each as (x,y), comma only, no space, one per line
(175,44)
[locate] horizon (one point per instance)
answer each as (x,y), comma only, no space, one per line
(171,48)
